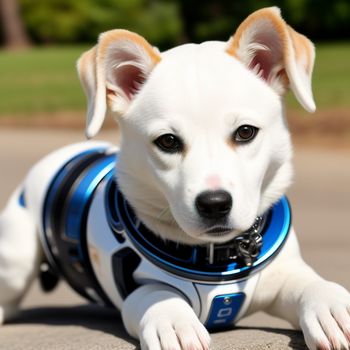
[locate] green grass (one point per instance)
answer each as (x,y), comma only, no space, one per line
(40,80)
(45,80)
(331,78)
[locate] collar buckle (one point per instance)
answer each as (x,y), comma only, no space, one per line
(245,247)
(248,247)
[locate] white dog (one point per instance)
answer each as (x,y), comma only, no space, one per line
(205,149)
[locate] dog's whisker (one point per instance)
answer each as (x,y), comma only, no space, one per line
(163,212)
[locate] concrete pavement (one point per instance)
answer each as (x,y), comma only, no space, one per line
(320,199)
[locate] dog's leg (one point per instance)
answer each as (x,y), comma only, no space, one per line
(160,317)
(290,289)
(19,255)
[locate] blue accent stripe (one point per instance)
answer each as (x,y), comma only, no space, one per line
(56,183)
(66,211)
(82,195)
(22,199)
(274,236)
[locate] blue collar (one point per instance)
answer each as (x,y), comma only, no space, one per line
(229,261)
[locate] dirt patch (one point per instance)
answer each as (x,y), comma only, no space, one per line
(66,119)
(334,121)
(326,127)
(62,120)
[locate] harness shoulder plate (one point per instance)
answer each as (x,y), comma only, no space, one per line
(192,262)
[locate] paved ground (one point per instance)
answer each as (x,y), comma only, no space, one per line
(61,320)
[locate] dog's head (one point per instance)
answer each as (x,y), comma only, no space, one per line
(205,147)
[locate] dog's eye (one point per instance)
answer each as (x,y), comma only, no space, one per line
(169,143)
(245,133)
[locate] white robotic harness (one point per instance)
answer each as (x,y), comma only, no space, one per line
(93,239)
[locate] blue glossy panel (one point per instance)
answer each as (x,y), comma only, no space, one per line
(274,235)
(224,309)
(22,199)
(82,195)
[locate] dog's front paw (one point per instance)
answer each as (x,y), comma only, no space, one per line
(174,327)
(324,316)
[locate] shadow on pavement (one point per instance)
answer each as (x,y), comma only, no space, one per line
(88,316)
(296,338)
(244,337)
(109,321)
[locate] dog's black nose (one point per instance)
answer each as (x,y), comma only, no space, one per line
(214,204)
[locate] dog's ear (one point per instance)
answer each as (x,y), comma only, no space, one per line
(276,53)
(112,72)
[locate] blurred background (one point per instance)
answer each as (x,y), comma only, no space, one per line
(42,39)
(42,107)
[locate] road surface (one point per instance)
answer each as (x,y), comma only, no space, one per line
(320,199)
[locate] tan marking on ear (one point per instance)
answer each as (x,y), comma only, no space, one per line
(284,78)
(87,59)
(92,70)
(273,15)
(115,35)
(295,51)
(301,47)
(120,34)
(301,44)
(270,13)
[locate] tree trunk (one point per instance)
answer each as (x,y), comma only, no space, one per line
(15,35)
